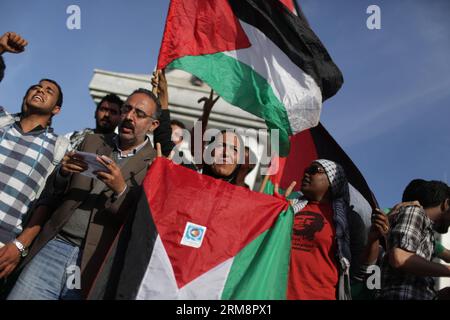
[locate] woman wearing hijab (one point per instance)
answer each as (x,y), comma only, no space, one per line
(225,155)
(322,250)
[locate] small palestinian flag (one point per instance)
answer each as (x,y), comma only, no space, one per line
(257,55)
(317,143)
(196,237)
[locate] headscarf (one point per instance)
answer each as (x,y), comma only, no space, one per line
(338,184)
(340,197)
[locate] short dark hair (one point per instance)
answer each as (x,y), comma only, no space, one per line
(177,123)
(151,95)
(111,98)
(437,193)
(428,193)
(414,190)
(59,102)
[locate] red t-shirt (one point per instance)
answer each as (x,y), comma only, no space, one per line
(313,273)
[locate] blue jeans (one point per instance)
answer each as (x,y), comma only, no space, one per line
(50,275)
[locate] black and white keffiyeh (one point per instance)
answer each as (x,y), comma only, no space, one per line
(338,184)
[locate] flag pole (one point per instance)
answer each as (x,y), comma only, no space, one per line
(264,183)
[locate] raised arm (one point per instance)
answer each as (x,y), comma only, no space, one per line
(162,134)
(208,104)
(13,43)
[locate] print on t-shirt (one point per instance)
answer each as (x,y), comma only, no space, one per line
(306,225)
(313,273)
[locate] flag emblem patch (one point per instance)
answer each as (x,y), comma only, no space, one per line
(193,235)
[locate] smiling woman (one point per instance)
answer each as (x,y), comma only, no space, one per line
(224,156)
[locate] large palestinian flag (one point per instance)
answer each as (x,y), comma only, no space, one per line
(257,55)
(196,237)
(317,143)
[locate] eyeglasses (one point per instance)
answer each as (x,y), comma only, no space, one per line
(312,170)
(126,108)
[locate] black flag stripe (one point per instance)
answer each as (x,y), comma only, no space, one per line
(294,37)
(328,148)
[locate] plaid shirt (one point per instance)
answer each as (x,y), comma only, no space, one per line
(25,162)
(411,230)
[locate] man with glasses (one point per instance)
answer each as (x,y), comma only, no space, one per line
(87,216)
(107,117)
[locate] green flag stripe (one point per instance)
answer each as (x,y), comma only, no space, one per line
(269,188)
(238,84)
(260,270)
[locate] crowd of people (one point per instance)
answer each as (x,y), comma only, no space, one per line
(56,213)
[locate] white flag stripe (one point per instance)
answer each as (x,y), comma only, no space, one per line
(297,90)
(159,280)
(362,207)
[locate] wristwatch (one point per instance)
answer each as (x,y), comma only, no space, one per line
(23,251)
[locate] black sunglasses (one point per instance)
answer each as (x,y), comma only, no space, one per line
(312,170)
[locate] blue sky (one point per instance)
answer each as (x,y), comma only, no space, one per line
(391,115)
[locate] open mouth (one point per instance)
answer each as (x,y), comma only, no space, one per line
(37,98)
